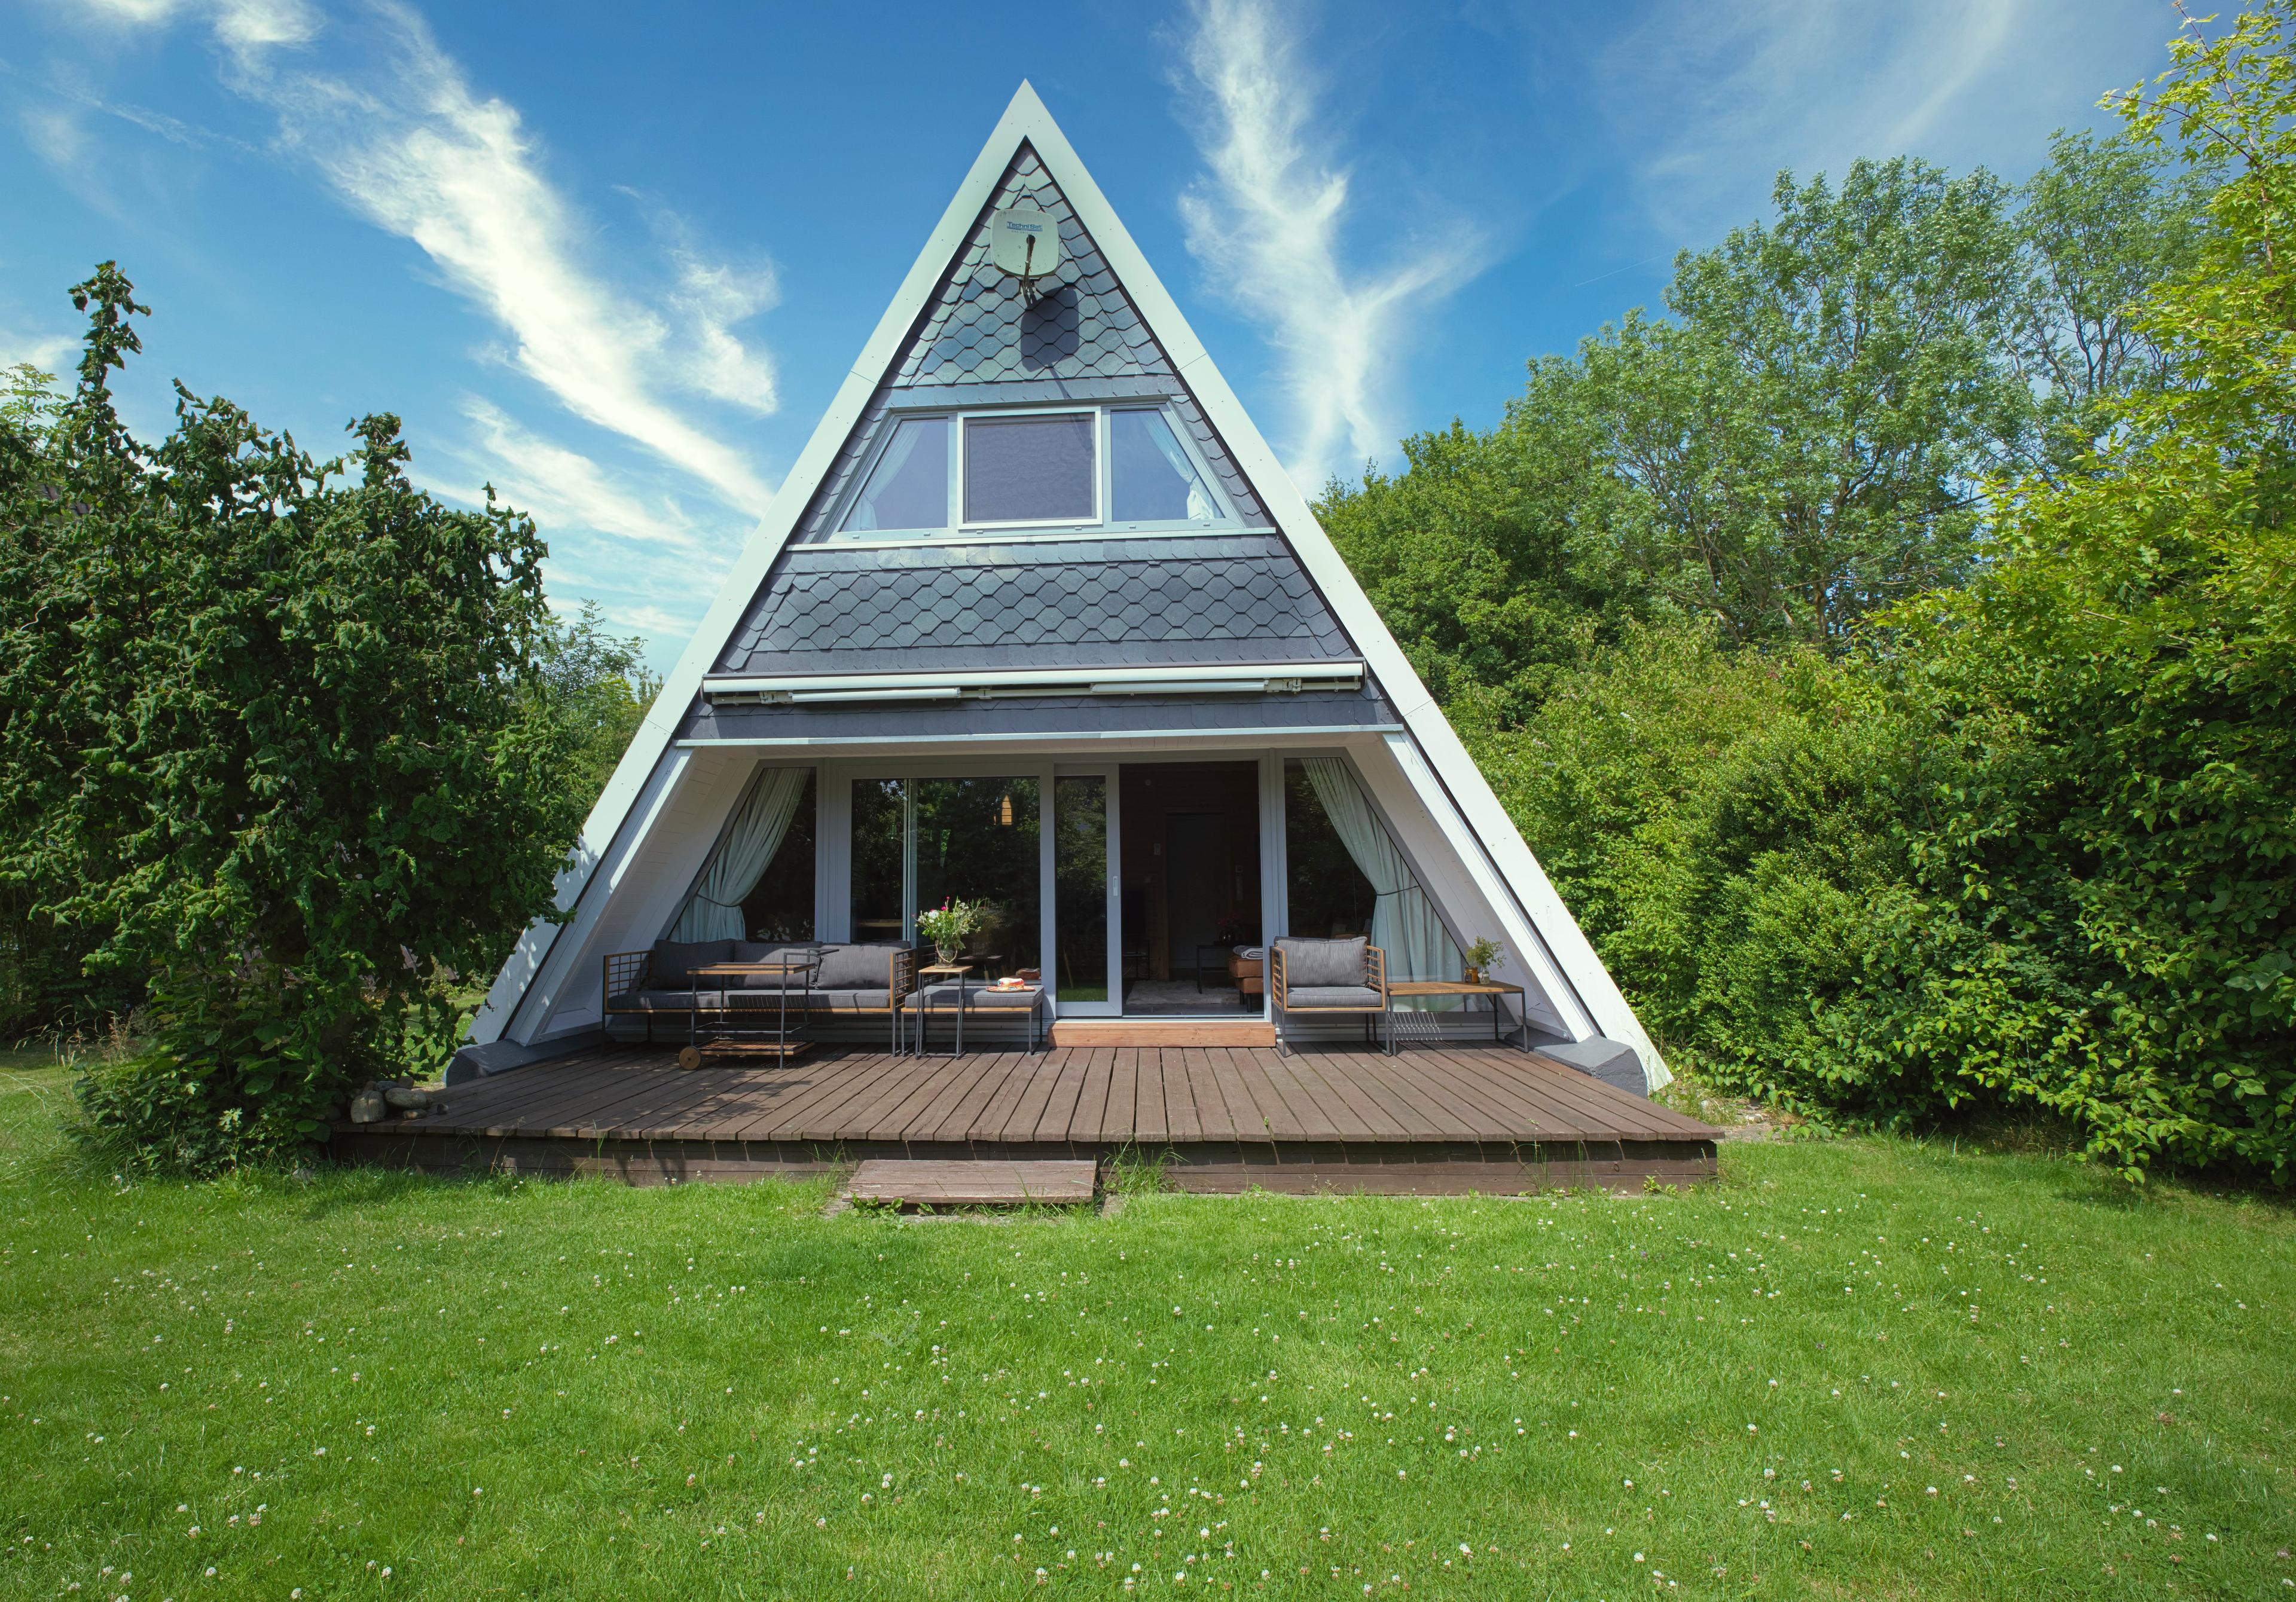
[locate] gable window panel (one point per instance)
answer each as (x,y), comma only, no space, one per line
(1154,481)
(908,489)
(1031,470)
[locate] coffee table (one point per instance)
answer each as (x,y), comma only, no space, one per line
(925,992)
(1402,988)
(781,1040)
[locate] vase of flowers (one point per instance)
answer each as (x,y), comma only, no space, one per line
(948,925)
(1485,954)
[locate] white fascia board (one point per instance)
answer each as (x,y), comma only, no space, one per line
(659,728)
(1029,677)
(504,1011)
(1441,744)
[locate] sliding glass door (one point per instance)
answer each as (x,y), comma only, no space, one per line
(1084,892)
(923,842)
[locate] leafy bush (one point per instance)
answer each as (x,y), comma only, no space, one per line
(275,746)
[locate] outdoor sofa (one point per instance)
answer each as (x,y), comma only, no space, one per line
(1329,979)
(853,980)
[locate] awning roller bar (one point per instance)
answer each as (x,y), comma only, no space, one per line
(1222,679)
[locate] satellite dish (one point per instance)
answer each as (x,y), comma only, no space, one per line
(1024,242)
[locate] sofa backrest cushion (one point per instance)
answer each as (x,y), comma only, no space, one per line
(856,967)
(672,965)
(1323,963)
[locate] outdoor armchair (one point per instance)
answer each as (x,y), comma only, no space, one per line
(1330,978)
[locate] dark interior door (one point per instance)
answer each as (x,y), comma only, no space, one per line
(1196,885)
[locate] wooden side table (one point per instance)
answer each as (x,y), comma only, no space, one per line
(1402,988)
(781,1040)
(952,971)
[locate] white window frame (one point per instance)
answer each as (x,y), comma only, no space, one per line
(1099,498)
(959,531)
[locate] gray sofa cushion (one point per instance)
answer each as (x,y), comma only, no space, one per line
(1314,963)
(853,1001)
(657,1001)
(1307,997)
(856,967)
(761,951)
(673,961)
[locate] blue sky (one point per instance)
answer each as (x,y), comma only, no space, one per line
(615,259)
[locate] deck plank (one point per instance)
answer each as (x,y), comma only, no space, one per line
(1120,1121)
(1091,1109)
(955,1124)
(1257,1109)
(1104,1096)
(1346,1082)
(1181,1118)
(1149,1121)
(1587,1104)
(927,1120)
(995,1121)
(805,1087)
(1060,1107)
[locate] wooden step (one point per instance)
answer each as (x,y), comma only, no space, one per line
(1163,1032)
(963,1183)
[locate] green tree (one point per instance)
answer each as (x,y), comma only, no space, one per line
(1490,556)
(598,688)
(269,738)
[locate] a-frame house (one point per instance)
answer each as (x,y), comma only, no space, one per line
(1038,619)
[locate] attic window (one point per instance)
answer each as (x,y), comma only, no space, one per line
(909,488)
(1017,473)
(1154,481)
(1031,470)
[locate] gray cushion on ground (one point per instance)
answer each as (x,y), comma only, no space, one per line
(1323,962)
(1615,1064)
(674,961)
(1306,996)
(856,967)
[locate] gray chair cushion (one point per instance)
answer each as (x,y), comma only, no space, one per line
(1306,997)
(673,961)
(856,967)
(1317,963)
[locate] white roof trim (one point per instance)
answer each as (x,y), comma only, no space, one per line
(1026,120)
(1190,675)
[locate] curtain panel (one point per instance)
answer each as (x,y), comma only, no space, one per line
(759,828)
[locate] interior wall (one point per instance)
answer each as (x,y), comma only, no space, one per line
(1150,792)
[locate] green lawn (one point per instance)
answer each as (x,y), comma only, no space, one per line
(1862,1367)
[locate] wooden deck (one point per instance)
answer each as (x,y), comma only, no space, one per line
(1428,1120)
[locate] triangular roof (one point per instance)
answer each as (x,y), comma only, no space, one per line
(1115,332)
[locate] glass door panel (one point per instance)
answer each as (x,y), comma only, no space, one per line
(1080,892)
(977,840)
(884,875)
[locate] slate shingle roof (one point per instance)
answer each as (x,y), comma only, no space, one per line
(1089,600)
(1082,325)
(1221,598)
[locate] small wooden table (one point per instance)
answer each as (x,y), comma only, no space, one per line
(1460,987)
(953,970)
(781,1041)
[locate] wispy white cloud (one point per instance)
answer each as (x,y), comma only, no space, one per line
(404,140)
(1710,102)
(1268,222)
(50,353)
(563,487)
